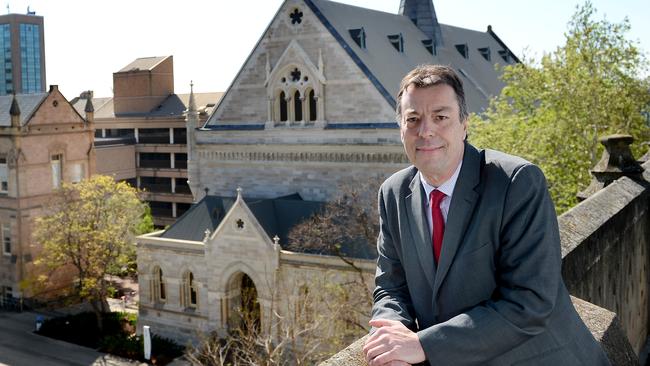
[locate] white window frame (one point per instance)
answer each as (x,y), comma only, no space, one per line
(56,162)
(4,175)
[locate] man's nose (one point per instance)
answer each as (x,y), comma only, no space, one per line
(427,127)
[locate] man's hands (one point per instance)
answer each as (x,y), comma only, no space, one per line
(392,344)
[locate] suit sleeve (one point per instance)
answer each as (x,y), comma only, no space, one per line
(528,275)
(391,299)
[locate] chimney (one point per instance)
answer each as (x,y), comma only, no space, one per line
(617,161)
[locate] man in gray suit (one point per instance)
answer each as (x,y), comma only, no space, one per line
(469,267)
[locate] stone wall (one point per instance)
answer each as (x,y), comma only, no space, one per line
(605,243)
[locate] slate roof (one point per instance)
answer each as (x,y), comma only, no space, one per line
(143,63)
(384,66)
(276,216)
(172,106)
(28,103)
(388,66)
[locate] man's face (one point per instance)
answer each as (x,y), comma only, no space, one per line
(432,132)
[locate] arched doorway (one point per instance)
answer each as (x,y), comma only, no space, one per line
(244,312)
(250,306)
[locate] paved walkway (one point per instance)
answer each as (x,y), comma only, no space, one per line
(20,346)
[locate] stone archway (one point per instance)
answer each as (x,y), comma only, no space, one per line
(244,311)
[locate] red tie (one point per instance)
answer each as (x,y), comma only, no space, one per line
(438,222)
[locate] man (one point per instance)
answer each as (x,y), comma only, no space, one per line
(469,250)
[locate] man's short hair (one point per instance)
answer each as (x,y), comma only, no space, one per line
(425,76)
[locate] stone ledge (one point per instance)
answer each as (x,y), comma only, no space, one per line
(602,323)
(606,328)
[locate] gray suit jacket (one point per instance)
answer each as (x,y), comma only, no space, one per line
(497,295)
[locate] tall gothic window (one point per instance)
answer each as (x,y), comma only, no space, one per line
(312,105)
(283,108)
(158,285)
(189,291)
(297,106)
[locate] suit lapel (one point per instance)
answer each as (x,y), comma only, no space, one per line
(460,211)
(419,228)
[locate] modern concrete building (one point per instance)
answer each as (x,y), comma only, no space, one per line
(44,141)
(22,52)
(141,134)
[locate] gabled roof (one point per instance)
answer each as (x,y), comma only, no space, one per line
(385,66)
(277,216)
(143,63)
(27,103)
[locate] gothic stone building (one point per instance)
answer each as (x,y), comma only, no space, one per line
(313,106)
(195,276)
(312,109)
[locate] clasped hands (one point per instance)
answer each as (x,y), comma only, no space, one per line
(392,344)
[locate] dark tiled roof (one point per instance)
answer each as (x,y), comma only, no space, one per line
(388,65)
(172,106)
(27,103)
(277,216)
(384,66)
(203,215)
(176,104)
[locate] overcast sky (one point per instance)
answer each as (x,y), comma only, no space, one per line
(87,40)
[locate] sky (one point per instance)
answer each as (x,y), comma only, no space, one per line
(86,41)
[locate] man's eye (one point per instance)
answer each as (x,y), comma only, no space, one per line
(441,118)
(411,119)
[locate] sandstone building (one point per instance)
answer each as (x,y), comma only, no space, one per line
(313,106)
(193,276)
(44,141)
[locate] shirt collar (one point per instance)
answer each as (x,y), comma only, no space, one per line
(447,187)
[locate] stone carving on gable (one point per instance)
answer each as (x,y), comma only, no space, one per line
(295,89)
(294,16)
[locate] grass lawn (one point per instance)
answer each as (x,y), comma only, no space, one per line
(117,338)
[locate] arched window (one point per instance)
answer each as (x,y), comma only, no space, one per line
(283,107)
(189,293)
(312,105)
(297,106)
(158,286)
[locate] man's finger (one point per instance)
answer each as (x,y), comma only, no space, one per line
(382,322)
(376,351)
(382,359)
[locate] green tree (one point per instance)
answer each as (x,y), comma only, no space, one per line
(90,226)
(552,112)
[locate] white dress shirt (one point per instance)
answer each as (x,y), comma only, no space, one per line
(447,188)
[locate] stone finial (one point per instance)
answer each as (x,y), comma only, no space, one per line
(617,161)
(276,240)
(206,235)
(15,109)
(191,107)
(239,191)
